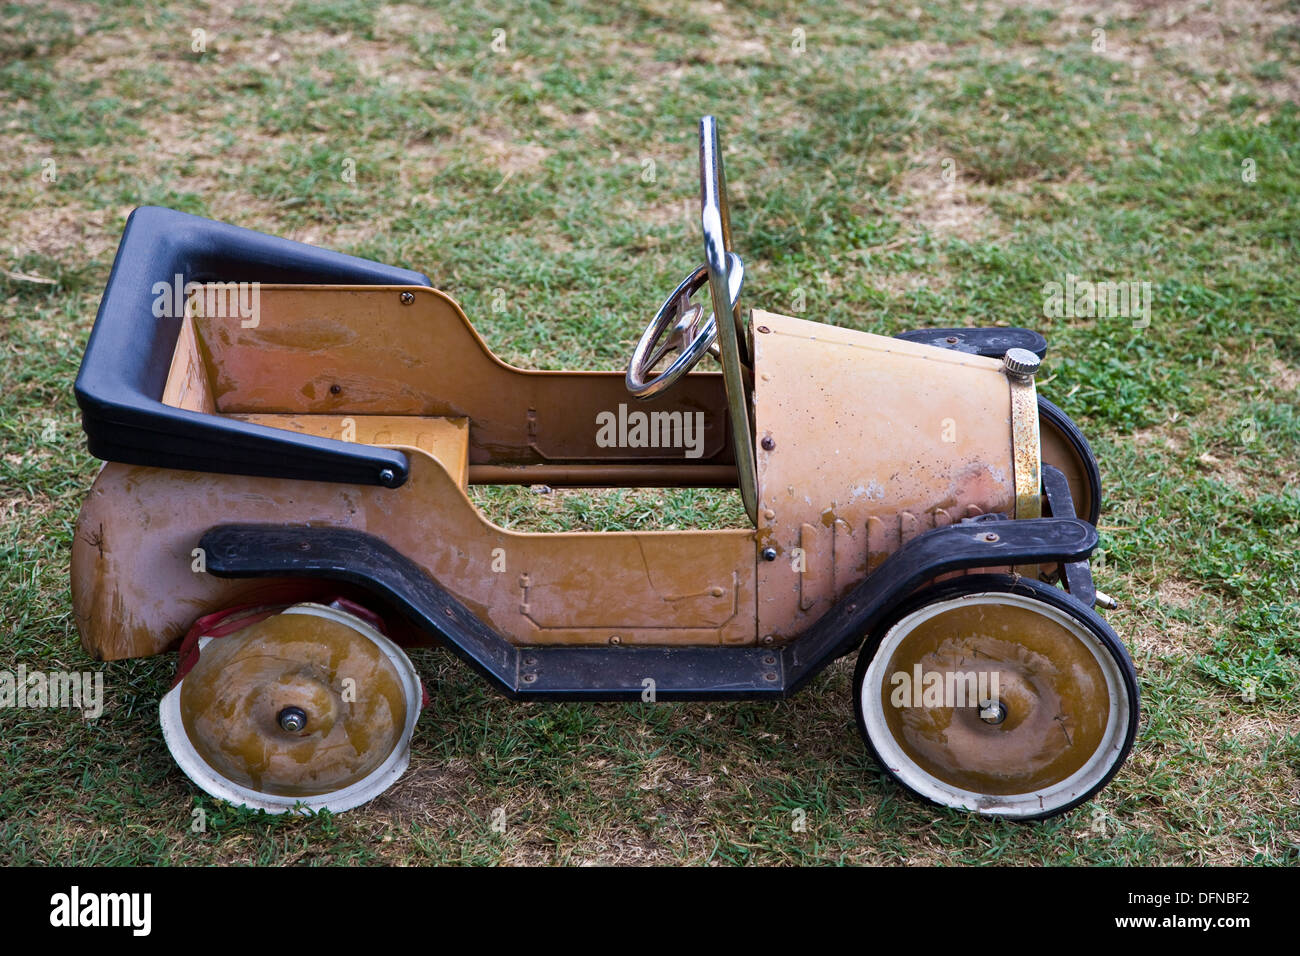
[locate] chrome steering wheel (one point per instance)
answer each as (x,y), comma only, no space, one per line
(688,335)
(725,338)
(723,271)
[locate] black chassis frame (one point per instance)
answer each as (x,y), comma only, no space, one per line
(671,673)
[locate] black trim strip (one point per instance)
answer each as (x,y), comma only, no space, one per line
(1076,575)
(1062,422)
(990,341)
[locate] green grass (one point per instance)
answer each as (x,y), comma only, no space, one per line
(515,178)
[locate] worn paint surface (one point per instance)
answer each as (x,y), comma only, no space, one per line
(358,350)
(1026,452)
(1056,450)
(135,591)
(864,442)
(445,439)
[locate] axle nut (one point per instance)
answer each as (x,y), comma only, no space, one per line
(292,720)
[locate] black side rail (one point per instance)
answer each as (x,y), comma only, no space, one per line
(124,370)
(621,673)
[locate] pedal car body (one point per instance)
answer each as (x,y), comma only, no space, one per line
(284,425)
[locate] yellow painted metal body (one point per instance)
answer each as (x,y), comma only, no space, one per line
(873,440)
(864,442)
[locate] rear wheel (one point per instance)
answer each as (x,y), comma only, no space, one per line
(311,708)
(1002,696)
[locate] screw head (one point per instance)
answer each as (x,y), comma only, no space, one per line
(1021,363)
(292,720)
(769,443)
(387,476)
(769,554)
(408,298)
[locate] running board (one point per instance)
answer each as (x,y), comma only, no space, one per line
(603,672)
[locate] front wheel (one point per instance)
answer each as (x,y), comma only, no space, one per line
(999,695)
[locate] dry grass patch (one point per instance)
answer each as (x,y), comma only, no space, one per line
(939,201)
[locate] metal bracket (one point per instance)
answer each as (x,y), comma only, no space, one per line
(1075,575)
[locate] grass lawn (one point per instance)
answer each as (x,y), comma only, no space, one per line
(892,166)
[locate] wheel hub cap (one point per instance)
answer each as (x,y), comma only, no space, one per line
(311,705)
(1012,702)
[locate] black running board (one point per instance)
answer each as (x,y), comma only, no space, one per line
(629,673)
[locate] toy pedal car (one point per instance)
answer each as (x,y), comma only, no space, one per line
(290,433)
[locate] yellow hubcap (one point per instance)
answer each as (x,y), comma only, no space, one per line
(997,702)
(294,705)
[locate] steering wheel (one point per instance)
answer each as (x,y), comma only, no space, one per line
(724,337)
(723,271)
(688,336)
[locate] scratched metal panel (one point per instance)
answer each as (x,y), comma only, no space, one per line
(874,440)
